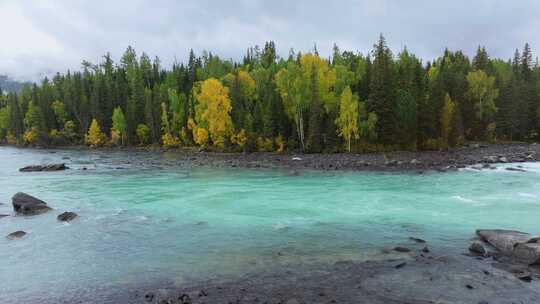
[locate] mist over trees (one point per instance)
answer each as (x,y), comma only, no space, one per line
(348,102)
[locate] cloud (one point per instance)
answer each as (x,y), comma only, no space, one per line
(40,37)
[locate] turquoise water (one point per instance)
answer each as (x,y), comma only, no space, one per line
(147,223)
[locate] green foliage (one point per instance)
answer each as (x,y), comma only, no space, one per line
(119,124)
(383,92)
(59,112)
(482,93)
(447,120)
(34,119)
(4,122)
(305,101)
(303,86)
(143,133)
(347,120)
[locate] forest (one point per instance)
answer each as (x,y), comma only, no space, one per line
(350,102)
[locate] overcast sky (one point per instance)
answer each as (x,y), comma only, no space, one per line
(41,37)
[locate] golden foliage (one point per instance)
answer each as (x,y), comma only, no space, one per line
(213,111)
(240,138)
(116,137)
(191,124)
(200,135)
(30,137)
(95,138)
(170,141)
(280,144)
(265,144)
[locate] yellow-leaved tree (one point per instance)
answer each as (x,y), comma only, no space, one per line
(200,135)
(347,121)
(213,111)
(95,138)
(306,87)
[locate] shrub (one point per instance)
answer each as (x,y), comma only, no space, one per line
(116,138)
(280,144)
(240,139)
(30,137)
(143,133)
(170,141)
(265,144)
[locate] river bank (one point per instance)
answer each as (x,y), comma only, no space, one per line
(392,161)
(446,160)
(416,277)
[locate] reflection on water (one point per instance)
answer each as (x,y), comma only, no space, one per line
(145,219)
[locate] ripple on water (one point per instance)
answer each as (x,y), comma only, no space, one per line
(180,224)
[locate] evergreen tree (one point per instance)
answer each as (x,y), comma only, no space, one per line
(381,99)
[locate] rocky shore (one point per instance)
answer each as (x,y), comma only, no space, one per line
(415,275)
(401,275)
(478,155)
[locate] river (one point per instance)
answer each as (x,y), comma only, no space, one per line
(148,223)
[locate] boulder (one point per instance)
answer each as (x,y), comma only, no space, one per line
(517,245)
(67,216)
(478,248)
(417,240)
(503,240)
(516,169)
(28,205)
(40,168)
(528,253)
(402,249)
(16,235)
(3,215)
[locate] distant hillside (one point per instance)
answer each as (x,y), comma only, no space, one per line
(10,85)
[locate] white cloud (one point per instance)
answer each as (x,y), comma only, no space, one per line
(42,36)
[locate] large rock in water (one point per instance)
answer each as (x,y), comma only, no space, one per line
(28,205)
(40,168)
(16,235)
(67,216)
(520,246)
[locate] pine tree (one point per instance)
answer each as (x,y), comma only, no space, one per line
(15,117)
(314,142)
(382,92)
(447,120)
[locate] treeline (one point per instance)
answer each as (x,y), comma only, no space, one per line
(350,102)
